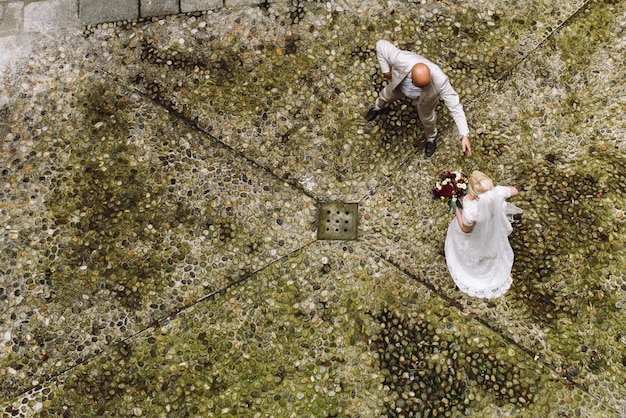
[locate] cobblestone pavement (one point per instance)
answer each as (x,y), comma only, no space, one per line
(160,188)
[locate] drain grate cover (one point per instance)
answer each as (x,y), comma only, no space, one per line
(338,221)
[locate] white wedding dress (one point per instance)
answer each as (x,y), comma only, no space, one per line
(480,261)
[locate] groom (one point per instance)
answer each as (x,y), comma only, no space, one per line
(413,76)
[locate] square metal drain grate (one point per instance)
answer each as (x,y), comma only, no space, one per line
(338,221)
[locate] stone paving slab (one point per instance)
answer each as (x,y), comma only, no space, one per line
(96,11)
(240,3)
(12,18)
(306,335)
(187,6)
(149,8)
(42,16)
(93,12)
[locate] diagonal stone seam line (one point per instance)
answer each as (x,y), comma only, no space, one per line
(244,278)
(291,182)
(109,348)
(485,324)
(505,75)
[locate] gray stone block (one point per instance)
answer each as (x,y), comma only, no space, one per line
(99,11)
(40,16)
(12,18)
(148,8)
(238,3)
(188,6)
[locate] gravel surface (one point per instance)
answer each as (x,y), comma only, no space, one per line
(160,187)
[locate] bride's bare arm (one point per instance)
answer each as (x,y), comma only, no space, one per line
(459,218)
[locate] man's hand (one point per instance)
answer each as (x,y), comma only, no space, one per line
(387,75)
(465,145)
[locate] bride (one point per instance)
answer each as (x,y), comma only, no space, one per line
(477,248)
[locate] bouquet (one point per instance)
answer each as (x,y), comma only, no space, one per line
(450,188)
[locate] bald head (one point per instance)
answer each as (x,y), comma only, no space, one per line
(420,75)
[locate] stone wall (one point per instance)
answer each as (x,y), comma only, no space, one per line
(99,11)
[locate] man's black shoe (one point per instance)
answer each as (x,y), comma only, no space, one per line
(430,148)
(371,114)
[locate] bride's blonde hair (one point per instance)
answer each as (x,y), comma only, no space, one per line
(479,183)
